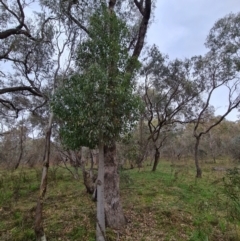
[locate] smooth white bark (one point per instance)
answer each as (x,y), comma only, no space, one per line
(100,232)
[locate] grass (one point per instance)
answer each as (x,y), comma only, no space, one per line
(169,204)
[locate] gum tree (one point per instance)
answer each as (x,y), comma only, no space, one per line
(97,104)
(136,14)
(171,96)
(58,72)
(218,69)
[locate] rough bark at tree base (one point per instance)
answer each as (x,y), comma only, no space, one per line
(113,208)
(38,226)
(40,236)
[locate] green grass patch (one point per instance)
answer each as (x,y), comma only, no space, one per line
(169,204)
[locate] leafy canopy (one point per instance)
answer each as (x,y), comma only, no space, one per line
(97,103)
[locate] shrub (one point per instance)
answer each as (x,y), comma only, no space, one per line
(231,189)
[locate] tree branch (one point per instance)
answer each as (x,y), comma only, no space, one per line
(15,31)
(139,6)
(143,27)
(20,88)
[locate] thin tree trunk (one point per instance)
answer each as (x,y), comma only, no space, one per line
(211,147)
(100,231)
(21,149)
(92,163)
(113,208)
(73,163)
(142,154)
(198,169)
(214,159)
(38,226)
(79,163)
(156,159)
(141,134)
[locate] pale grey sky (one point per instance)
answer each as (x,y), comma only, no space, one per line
(181,26)
(180,29)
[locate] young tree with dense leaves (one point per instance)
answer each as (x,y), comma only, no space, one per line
(97,104)
(136,15)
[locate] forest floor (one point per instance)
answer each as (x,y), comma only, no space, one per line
(168,205)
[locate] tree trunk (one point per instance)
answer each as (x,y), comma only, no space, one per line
(38,226)
(156,159)
(141,134)
(100,231)
(214,159)
(92,163)
(198,169)
(21,149)
(113,208)
(79,163)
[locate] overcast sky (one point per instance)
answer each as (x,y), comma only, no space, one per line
(181,26)
(180,29)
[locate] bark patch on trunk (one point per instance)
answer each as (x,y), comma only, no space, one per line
(89,181)
(113,208)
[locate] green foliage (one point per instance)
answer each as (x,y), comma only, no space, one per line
(108,44)
(98,101)
(126,179)
(223,41)
(231,189)
(199,235)
(77,233)
(234,146)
